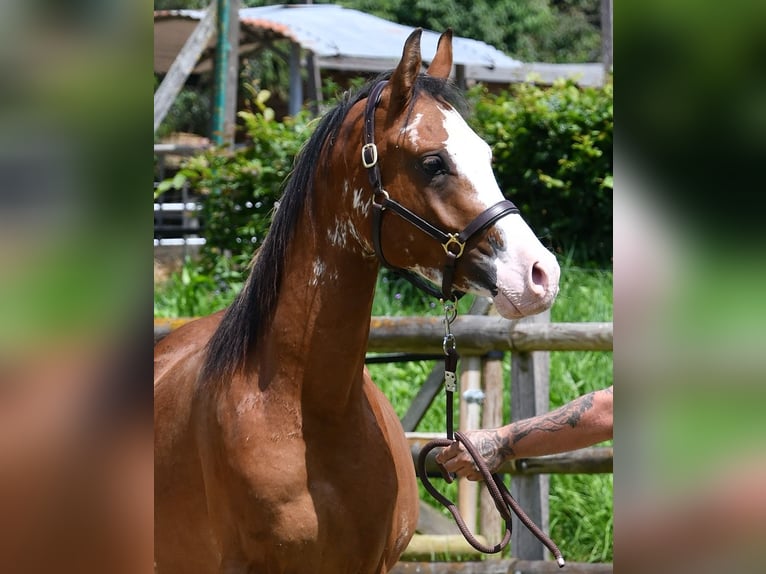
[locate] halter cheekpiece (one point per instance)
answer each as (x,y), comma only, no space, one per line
(452,243)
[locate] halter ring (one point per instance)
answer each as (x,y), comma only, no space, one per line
(453,240)
(385,195)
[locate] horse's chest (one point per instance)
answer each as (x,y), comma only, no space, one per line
(300,508)
(309,487)
(331,522)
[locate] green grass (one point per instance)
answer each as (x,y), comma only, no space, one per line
(191,293)
(581,510)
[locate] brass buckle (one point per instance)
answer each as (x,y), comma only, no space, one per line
(453,240)
(374,149)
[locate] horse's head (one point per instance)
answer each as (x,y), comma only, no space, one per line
(421,158)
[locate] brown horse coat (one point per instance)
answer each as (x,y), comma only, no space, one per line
(274,451)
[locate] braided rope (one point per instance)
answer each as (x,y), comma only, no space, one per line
(504,502)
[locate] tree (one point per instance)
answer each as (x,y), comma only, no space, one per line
(530,30)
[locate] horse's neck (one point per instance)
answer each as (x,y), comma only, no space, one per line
(322,320)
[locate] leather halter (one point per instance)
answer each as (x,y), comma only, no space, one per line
(453,243)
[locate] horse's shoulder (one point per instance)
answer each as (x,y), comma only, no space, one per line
(184,345)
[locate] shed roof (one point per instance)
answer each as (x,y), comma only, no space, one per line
(339,37)
(329,30)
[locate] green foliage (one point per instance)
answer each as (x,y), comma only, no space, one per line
(190,112)
(574,34)
(553,157)
(241,186)
(529,30)
(395,296)
(194,292)
(268,70)
(582,516)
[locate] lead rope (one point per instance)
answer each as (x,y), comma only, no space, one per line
(504,502)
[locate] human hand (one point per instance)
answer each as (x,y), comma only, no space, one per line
(456,459)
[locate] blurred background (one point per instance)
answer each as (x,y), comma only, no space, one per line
(75,278)
(689,278)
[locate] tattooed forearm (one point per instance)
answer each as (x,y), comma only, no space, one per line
(494,447)
(582,422)
(568,415)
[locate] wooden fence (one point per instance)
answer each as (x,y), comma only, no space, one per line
(482,341)
(512,566)
(477,335)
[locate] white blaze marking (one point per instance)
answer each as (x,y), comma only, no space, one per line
(473,160)
(472,157)
(411,129)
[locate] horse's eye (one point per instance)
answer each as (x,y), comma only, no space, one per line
(434,165)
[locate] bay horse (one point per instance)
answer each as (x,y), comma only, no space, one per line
(274,451)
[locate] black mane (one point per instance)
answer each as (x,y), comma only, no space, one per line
(253,309)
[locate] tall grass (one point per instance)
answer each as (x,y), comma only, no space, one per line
(580,505)
(190,292)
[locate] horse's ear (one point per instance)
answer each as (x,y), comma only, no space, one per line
(403,78)
(441,65)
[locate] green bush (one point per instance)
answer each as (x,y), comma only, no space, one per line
(552,151)
(190,112)
(240,186)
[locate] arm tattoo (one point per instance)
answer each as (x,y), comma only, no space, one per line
(496,446)
(570,414)
(493,448)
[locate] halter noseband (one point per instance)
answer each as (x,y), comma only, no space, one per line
(453,243)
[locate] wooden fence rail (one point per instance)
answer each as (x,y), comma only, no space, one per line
(480,334)
(475,335)
(512,566)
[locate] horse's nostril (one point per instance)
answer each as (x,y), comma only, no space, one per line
(539,278)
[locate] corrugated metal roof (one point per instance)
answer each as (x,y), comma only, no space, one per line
(333,32)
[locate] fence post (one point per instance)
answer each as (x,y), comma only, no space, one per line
(470,419)
(491,524)
(530,397)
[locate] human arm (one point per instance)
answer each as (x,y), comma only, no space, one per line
(585,421)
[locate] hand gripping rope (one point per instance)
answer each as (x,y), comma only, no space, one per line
(504,502)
